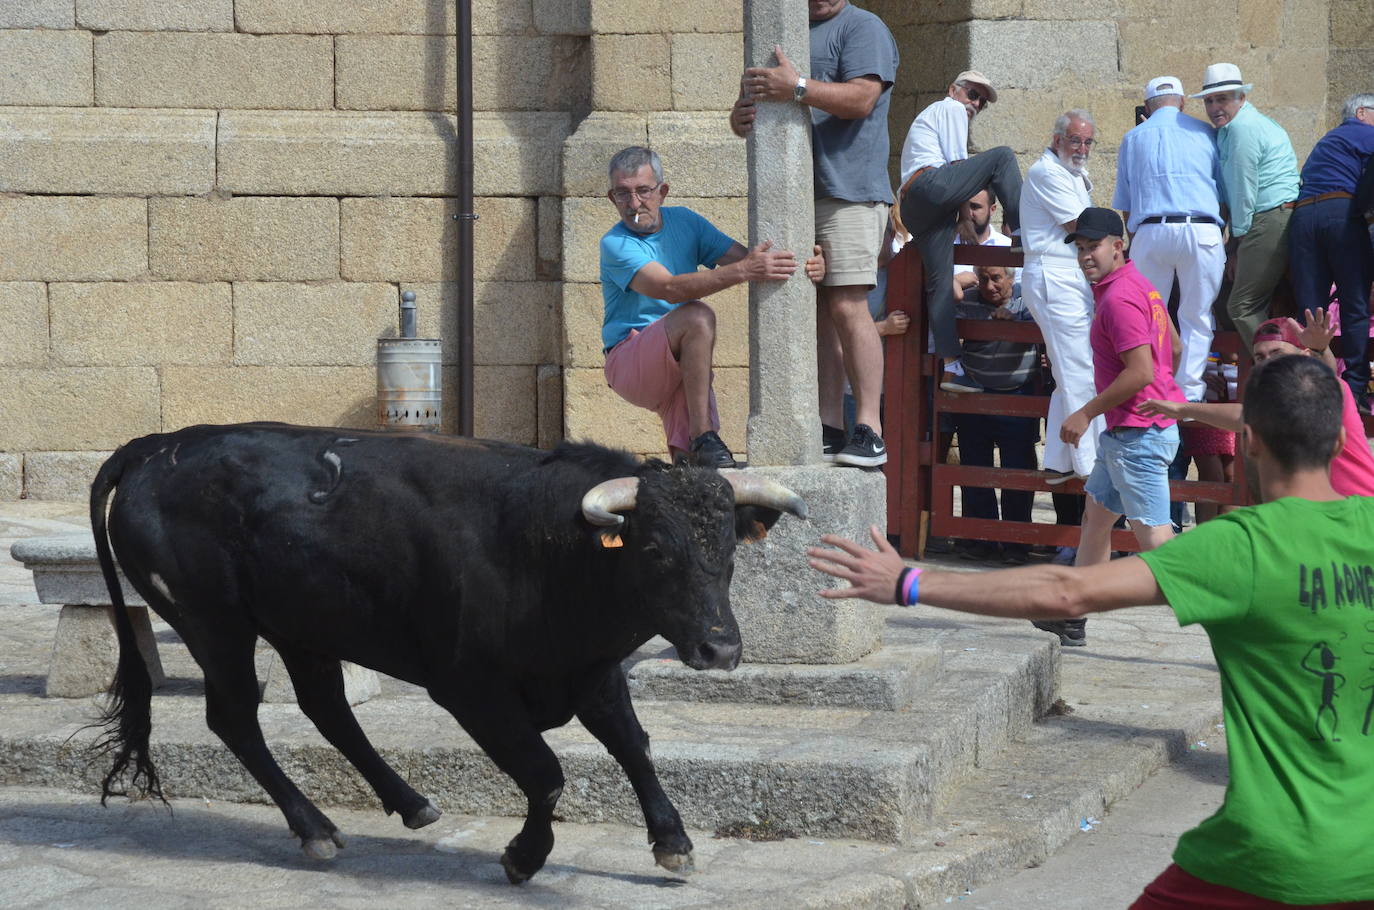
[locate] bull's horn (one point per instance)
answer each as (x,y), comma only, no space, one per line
(604,500)
(753,490)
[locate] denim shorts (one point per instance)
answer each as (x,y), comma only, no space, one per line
(1131,476)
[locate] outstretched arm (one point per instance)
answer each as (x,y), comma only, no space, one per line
(1033,592)
(1223,415)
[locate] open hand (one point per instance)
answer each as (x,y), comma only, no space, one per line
(772,83)
(1159,407)
(1316,335)
(766,264)
(871,574)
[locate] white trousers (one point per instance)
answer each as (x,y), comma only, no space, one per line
(1194,253)
(1061,300)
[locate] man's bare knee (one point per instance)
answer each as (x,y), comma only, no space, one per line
(690,321)
(692,316)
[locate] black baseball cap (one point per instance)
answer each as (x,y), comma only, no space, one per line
(1095,223)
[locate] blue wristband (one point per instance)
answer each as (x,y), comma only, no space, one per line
(912,591)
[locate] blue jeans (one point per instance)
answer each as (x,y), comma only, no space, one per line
(1131,476)
(1328,243)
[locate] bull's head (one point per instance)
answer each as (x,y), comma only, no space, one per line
(678,527)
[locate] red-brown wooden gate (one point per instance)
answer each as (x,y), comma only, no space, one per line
(920,489)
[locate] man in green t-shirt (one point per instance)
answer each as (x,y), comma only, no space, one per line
(1285,591)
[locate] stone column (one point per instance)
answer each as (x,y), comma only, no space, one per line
(784,421)
(782,620)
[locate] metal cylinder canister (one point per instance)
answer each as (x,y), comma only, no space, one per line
(409,383)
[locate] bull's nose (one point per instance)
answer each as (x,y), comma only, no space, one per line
(717,655)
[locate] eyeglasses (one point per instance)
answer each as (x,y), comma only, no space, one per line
(976,97)
(640,192)
(1075,142)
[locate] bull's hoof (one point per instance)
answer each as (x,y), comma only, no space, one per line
(322,848)
(513,872)
(681,863)
(427,814)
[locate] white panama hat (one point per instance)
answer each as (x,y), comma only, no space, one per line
(1222,77)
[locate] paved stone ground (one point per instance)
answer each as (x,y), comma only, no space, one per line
(1141,685)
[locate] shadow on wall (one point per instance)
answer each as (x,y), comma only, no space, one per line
(360,414)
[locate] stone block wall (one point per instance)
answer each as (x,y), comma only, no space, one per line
(1047,56)
(209,208)
(1351,65)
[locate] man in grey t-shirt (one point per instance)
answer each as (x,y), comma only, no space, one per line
(853,64)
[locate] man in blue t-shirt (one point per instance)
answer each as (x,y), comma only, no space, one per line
(659,336)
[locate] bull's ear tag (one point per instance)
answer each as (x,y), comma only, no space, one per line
(611,541)
(757,531)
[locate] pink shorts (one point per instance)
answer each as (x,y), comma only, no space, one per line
(1177,890)
(643,371)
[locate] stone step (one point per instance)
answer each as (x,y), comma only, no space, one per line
(887,680)
(1057,783)
(1007,814)
(876,775)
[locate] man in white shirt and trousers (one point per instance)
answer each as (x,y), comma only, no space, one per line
(938,176)
(1168,188)
(1057,189)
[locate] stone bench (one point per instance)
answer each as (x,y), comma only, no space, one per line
(85,649)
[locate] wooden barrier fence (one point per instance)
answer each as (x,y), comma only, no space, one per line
(920,486)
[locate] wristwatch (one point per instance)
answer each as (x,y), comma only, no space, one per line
(799,91)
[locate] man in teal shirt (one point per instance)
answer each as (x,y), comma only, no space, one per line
(1259,173)
(1285,592)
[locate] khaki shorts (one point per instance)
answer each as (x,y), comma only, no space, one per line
(850,234)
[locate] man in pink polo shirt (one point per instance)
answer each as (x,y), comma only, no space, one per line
(1133,342)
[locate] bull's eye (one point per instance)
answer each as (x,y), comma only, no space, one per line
(657,554)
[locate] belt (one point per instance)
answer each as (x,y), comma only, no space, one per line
(1069,260)
(1308,200)
(901,193)
(1179,219)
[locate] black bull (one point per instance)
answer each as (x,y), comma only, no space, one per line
(508,581)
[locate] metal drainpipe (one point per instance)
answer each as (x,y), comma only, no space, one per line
(465,217)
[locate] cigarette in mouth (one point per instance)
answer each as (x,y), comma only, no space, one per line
(637,214)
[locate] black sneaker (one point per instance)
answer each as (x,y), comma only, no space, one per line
(939,546)
(958,383)
(709,452)
(980,551)
(1072,632)
(832,440)
(866,449)
(1015,555)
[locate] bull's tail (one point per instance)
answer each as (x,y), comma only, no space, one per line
(127,716)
